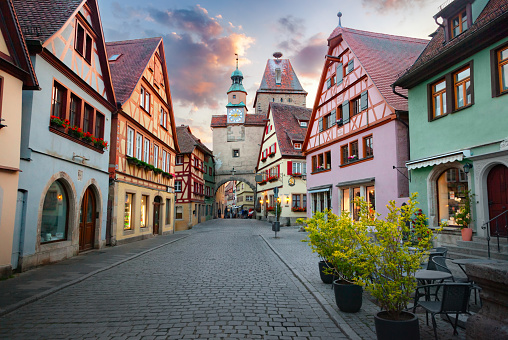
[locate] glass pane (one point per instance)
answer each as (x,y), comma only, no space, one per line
(462,75)
(460,96)
(504,54)
(143,211)
(89,210)
(128,212)
(456,31)
(451,195)
(444,102)
(54,214)
(345,200)
(468,93)
(440,86)
(437,105)
(371,197)
(504,76)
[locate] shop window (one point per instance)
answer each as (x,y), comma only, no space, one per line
(168,211)
(371,197)
(144,211)
(345,203)
(55,214)
(128,210)
(179,212)
(452,190)
(321,201)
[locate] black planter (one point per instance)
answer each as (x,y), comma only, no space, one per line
(407,328)
(326,278)
(348,297)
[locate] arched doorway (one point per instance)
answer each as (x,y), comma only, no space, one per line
(156,214)
(497,189)
(87,218)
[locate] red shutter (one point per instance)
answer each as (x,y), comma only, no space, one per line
(278,170)
(275,147)
(290,168)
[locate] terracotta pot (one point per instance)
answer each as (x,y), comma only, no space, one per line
(467,234)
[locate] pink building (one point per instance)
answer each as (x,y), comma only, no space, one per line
(357,141)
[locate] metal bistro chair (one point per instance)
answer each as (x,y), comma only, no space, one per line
(430,264)
(454,300)
(440,263)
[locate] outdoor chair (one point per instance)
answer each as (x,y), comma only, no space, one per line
(430,264)
(443,250)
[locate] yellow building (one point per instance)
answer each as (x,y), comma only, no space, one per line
(144,145)
(16,74)
(244,196)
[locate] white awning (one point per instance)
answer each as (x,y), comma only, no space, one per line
(440,159)
(322,188)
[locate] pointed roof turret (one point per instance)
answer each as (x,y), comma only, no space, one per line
(236,79)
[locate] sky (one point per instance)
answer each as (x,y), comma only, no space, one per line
(201,39)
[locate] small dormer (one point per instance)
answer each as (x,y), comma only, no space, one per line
(278,76)
(303,123)
(457,17)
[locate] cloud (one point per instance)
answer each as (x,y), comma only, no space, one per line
(381,5)
(292,30)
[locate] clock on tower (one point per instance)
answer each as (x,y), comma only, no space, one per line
(236,115)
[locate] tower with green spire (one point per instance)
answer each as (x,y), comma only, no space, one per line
(237,98)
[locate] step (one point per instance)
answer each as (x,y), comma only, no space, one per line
(465,252)
(482,245)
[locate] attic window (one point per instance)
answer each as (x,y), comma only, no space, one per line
(114,57)
(278,76)
(298,146)
(303,124)
(458,24)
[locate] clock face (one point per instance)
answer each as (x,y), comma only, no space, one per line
(235,115)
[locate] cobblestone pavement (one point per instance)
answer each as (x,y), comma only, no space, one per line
(357,325)
(222,281)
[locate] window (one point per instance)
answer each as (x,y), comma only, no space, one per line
(355,106)
(278,76)
(130,142)
(55,214)
(298,146)
(303,124)
(146,151)
(164,157)
(299,201)
(156,156)
(179,212)
(350,66)
(234,96)
(114,57)
(58,101)
(88,119)
(322,161)
(344,154)
(502,70)
(99,125)
(371,196)
(210,171)
(458,24)
(299,168)
(356,207)
(451,192)
(83,43)
(168,162)
(178,186)
(144,211)
(345,202)
(439,99)
(236,152)
(168,211)
(249,198)
(144,99)
(354,151)
(321,201)
(462,88)
(179,159)
(129,202)
(164,118)
(368,150)
(139,146)
(75,111)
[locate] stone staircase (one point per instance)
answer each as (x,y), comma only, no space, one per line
(478,249)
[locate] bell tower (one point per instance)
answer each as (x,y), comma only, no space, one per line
(237,98)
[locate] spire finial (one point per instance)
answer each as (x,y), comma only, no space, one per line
(339,15)
(236,60)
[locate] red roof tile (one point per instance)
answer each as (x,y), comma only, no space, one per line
(287,126)
(383,57)
(250,119)
(187,141)
(127,70)
(40,19)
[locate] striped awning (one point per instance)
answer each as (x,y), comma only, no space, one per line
(439,159)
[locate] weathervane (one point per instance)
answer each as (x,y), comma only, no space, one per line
(339,15)
(236,60)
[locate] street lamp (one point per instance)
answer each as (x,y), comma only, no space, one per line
(467,167)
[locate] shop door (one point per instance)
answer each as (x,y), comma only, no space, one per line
(497,188)
(156,214)
(87,217)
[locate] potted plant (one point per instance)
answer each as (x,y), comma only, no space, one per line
(100,143)
(75,132)
(388,265)
(87,137)
(463,217)
(58,123)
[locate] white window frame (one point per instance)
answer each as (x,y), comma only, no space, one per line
(139,146)
(178,186)
(130,142)
(164,156)
(142,97)
(300,167)
(146,151)
(179,160)
(155,155)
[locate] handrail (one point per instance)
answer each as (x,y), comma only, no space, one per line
(484,226)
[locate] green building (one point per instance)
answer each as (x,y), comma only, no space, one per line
(458,118)
(209,177)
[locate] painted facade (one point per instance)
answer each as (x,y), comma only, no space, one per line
(16,75)
(143,148)
(209,177)
(357,137)
(282,164)
(244,197)
(462,133)
(190,182)
(64,177)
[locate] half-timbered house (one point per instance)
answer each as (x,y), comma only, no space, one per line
(143,148)
(65,128)
(16,75)
(190,182)
(357,141)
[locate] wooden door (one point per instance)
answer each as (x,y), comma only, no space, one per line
(87,217)
(497,188)
(156,215)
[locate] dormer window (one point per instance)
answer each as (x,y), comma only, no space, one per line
(278,76)
(114,57)
(303,124)
(298,146)
(456,16)
(458,24)
(83,43)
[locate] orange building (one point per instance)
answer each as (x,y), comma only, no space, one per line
(143,147)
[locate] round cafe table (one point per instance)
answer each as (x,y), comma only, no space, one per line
(427,277)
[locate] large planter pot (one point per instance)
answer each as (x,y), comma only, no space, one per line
(467,234)
(348,296)
(406,328)
(326,278)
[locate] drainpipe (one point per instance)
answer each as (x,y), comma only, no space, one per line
(397,113)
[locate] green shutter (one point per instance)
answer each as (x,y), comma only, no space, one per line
(320,124)
(364,101)
(340,73)
(332,118)
(350,66)
(345,112)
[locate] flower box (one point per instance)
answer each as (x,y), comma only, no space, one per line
(297,174)
(133,160)
(299,209)
(271,208)
(271,154)
(263,159)
(272,179)
(87,137)
(100,143)
(157,171)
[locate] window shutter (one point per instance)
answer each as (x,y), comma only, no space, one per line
(274,147)
(320,124)
(340,73)
(328,83)
(350,66)
(332,117)
(290,167)
(364,101)
(278,170)
(345,112)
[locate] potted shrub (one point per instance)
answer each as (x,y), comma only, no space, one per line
(463,217)
(388,265)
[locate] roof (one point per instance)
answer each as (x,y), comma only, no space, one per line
(289,81)
(41,19)
(187,141)
(440,55)
(250,119)
(287,126)
(383,57)
(128,68)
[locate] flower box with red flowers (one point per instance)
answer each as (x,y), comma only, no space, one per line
(87,137)
(263,159)
(272,178)
(75,132)
(58,122)
(100,143)
(299,209)
(271,208)
(297,174)
(263,182)
(271,154)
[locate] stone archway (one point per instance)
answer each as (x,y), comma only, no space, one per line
(223,179)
